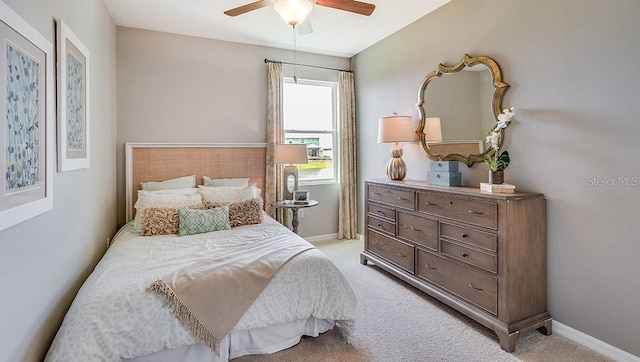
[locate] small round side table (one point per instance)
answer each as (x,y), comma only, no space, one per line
(288,204)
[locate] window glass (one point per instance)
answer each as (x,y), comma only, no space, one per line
(310,118)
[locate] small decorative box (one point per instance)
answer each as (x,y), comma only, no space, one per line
(443,166)
(444,178)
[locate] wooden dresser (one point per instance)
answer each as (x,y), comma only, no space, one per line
(482,254)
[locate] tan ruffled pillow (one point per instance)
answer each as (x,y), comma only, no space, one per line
(242,213)
(161,220)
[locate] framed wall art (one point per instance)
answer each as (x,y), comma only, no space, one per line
(73,100)
(27,135)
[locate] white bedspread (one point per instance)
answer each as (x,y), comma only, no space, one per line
(113,317)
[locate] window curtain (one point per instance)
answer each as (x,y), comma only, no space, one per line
(347,213)
(275,135)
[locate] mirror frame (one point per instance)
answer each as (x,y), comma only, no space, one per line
(500,88)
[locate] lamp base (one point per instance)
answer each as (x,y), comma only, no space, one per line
(289,175)
(396,168)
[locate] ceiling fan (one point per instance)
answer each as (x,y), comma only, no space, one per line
(353,6)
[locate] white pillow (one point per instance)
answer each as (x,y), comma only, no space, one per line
(229,194)
(164,198)
(174,183)
(239,182)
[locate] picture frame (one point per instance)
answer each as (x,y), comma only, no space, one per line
(73,100)
(27,133)
(301,197)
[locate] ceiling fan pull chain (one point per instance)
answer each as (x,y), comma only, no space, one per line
(295,79)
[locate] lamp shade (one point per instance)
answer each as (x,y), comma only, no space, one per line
(293,12)
(432,130)
(395,129)
(290,153)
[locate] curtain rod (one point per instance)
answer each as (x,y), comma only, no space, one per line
(306,65)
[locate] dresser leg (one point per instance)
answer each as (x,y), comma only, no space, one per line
(363,259)
(508,341)
(546,329)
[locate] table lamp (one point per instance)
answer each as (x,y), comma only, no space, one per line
(395,129)
(290,154)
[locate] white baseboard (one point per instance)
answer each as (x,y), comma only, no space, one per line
(594,344)
(314,239)
(318,238)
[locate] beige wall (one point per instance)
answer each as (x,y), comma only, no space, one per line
(572,68)
(44,260)
(174,88)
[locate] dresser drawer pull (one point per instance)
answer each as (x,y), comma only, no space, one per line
(380,212)
(471,285)
(476,212)
(430,203)
(402,254)
(414,229)
(464,255)
(429,266)
(379,225)
(403,198)
(464,235)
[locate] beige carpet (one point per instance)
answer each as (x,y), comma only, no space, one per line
(397,322)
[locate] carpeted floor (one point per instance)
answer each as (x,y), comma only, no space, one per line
(397,322)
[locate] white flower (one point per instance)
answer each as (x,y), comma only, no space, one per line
(493,138)
(505,118)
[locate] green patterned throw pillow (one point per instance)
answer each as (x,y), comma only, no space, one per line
(193,221)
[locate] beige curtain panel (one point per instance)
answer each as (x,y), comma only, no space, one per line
(347,226)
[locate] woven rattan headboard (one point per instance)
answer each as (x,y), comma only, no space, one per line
(161,161)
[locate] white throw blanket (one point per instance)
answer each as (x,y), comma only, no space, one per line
(211,296)
(113,317)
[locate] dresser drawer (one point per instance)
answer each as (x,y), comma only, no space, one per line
(395,251)
(474,286)
(381,211)
(381,225)
(467,210)
(418,230)
(486,261)
(387,195)
(470,236)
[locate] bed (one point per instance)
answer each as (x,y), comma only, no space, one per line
(131,307)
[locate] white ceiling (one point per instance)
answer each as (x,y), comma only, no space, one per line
(335,32)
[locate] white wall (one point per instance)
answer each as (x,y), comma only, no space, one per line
(572,68)
(44,260)
(174,88)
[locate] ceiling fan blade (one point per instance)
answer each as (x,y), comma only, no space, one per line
(353,6)
(305,27)
(249,7)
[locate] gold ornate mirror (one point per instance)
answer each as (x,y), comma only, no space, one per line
(467,98)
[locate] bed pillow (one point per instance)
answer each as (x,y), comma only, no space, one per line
(194,221)
(243,213)
(228,194)
(175,183)
(164,198)
(161,221)
(217,182)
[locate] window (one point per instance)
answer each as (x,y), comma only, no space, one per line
(310,117)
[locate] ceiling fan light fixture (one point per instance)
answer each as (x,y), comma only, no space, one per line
(293,12)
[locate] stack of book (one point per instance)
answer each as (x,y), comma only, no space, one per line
(497,188)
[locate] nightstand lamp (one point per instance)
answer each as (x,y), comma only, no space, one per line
(290,154)
(395,129)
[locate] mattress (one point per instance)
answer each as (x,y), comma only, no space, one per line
(114,318)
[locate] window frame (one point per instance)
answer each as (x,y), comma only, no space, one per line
(334,132)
